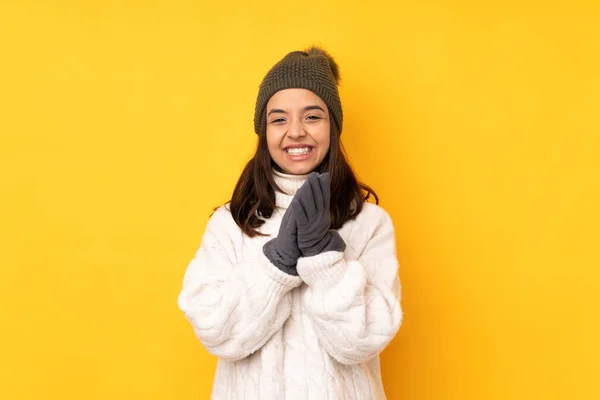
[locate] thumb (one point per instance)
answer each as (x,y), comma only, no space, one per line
(291,225)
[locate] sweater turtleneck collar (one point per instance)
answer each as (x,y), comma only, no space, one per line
(289,184)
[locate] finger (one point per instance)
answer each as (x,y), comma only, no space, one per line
(291,224)
(285,221)
(326,189)
(317,195)
(307,199)
(299,213)
(286,217)
(305,186)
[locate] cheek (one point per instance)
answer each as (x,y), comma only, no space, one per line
(273,142)
(323,139)
(271,138)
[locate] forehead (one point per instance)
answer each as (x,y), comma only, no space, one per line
(292,98)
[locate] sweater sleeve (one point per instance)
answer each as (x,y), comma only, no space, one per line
(233,307)
(355,304)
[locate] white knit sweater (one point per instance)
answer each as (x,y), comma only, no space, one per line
(316,336)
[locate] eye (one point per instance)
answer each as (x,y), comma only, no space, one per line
(278,120)
(313,117)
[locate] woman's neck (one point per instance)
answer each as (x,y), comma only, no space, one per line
(289,184)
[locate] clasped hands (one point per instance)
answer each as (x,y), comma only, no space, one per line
(305,227)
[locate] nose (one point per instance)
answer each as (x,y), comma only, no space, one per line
(296,129)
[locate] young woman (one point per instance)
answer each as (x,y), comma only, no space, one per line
(295,286)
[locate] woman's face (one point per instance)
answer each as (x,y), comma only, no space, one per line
(297,130)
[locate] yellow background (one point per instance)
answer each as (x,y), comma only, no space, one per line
(122,123)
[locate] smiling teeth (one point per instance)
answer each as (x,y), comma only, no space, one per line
(298,151)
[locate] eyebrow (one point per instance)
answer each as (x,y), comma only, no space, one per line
(307,108)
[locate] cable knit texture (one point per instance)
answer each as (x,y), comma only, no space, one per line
(278,336)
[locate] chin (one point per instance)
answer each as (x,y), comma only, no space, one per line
(300,170)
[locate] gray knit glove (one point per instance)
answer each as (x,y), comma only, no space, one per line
(311,209)
(283,250)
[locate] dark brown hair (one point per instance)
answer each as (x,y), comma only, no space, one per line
(253,198)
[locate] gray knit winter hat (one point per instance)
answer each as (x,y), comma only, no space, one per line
(313,69)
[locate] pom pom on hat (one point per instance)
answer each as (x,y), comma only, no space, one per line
(333,65)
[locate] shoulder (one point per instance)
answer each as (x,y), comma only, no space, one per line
(374,216)
(223,234)
(221,222)
(371,235)
(371,226)
(221,214)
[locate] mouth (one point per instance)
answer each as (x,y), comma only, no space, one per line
(298,151)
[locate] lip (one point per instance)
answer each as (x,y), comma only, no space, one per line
(298,146)
(299,157)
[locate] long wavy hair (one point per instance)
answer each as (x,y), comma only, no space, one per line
(253,199)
